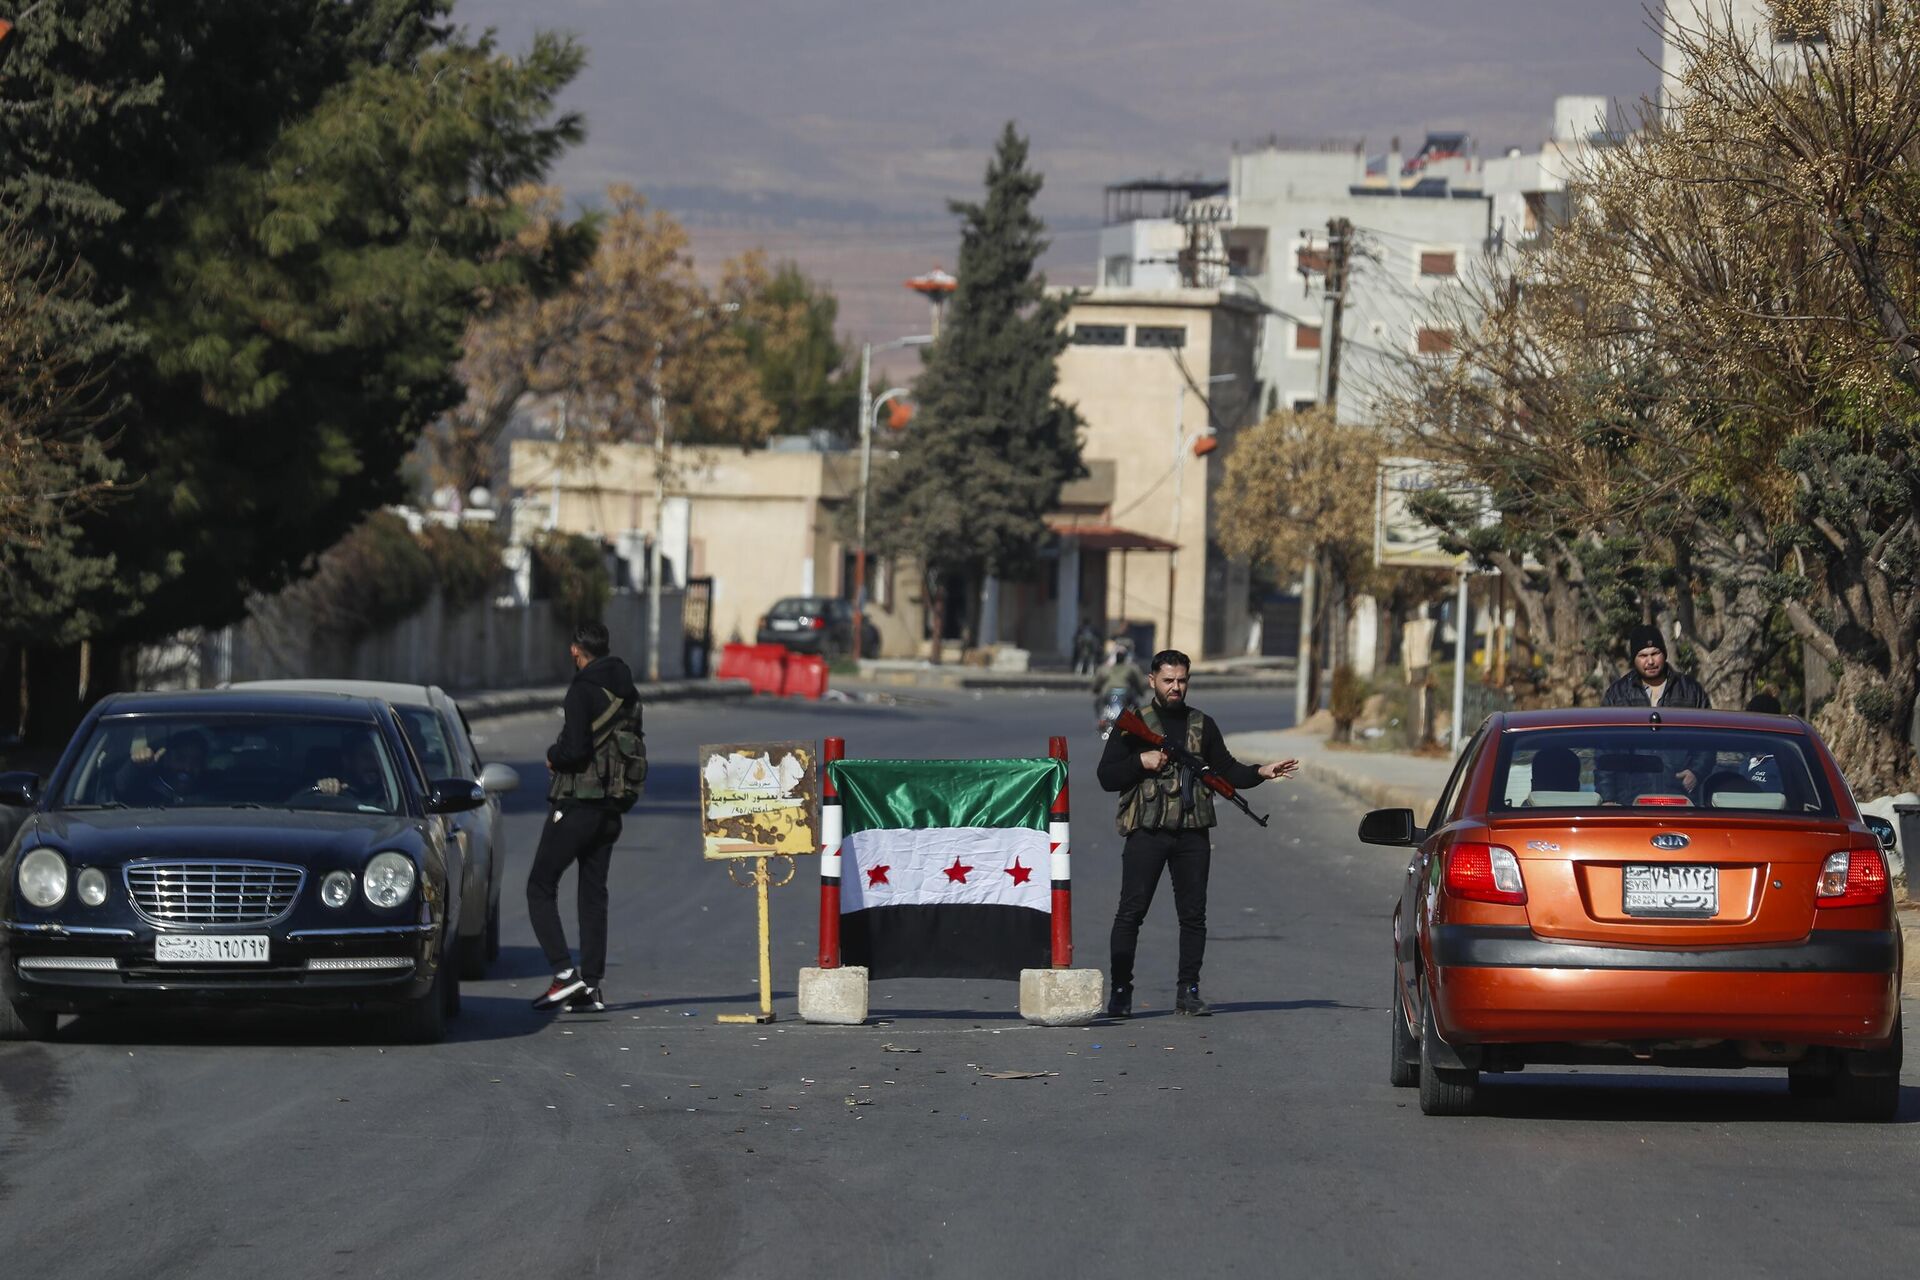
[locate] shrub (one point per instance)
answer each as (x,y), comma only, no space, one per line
(571,570)
(466,561)
(1347,699)
(369,580)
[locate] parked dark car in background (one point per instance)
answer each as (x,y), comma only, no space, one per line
(817,624)
(233,848)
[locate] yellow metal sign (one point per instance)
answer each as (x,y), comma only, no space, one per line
(759,800)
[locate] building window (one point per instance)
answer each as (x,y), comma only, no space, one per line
(1117,271)
(1303,403)
(1160,335)
(1443,262)
(1246,250)
(1433,342)
(1306,337)
(1100,335)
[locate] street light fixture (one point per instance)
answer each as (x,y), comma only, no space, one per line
(869,410)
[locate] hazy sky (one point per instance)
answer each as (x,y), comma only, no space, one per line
(834,130)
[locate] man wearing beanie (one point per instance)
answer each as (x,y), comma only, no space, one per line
(1651,683)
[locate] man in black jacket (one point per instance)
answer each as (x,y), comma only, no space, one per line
(1650,682)
(582,823)
(1165,815)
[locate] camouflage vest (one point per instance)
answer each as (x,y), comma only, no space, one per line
(619,767)
(1154,805)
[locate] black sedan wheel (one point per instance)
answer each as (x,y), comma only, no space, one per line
(425,1020)
(16,1024)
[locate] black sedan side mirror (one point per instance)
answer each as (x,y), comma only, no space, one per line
(20,790)
(455,795)
(1390,826)
(1882,829)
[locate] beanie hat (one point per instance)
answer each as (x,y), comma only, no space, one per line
(1644,636)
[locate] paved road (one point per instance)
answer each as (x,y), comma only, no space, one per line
(650,1141)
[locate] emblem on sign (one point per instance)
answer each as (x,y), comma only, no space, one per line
(1670,840)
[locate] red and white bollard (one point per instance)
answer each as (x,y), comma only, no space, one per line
(832,830)
(1059,835)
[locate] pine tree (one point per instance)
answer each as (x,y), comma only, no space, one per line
(991,445)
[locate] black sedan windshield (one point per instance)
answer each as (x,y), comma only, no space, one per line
(212,762)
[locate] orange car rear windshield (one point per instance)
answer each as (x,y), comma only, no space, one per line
(1630,766)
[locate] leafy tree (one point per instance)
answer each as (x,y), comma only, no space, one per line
(279,264)
(992,444)
(629,321)
(787,323)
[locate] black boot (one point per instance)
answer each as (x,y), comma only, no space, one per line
(1120,1003)
(1190,1003)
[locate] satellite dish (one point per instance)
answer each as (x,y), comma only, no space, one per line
(479,496)
(444,497)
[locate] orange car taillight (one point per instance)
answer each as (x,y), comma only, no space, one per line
(1485,873)
(1853,878)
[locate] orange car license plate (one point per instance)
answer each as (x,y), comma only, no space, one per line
(1667,890)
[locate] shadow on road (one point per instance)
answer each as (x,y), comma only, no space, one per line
(1652,1099)
(481,1018)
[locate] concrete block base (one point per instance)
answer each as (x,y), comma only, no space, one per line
(834,997)
(1061,997)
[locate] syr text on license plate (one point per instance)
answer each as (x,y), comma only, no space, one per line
(176,948)
(1672,890)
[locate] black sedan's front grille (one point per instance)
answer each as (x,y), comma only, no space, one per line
(213,892)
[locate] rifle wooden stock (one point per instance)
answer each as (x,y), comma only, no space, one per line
(1133,726)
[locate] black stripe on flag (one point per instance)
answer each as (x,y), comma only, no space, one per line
(970,940)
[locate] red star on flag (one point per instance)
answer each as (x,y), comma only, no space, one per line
(957,872)
(1019,873)
(878,875)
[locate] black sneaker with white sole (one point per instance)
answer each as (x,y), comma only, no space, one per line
(587,1000)
(566,984)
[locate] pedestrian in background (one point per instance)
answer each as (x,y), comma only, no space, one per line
(1652,682)
(594,783)
(1165,815)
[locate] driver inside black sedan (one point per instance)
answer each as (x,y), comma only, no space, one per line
(149,762)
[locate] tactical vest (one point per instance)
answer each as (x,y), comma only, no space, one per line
(618,769)
(1154,804)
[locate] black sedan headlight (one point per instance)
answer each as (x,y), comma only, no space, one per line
(389,878)
(43,878)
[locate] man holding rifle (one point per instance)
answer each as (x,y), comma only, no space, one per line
(1168,764)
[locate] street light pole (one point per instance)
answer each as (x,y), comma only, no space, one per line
(658,408)
(869,410)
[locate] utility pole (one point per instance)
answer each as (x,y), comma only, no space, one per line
(1333,299)
(659,410)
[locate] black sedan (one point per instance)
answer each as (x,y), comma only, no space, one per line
(817,624)
(223,848)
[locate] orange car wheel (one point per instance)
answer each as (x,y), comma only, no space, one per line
(1444,1091)
(1403,1070)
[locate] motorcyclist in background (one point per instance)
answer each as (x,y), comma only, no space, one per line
(1118,685)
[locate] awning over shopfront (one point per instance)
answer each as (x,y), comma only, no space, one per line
(1109,537)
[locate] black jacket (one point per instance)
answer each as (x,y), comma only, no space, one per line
(1631,691)
(572,751)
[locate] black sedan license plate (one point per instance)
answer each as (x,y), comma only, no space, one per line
(1666,889)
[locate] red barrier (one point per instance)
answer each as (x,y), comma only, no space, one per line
(764,666)
(736,662)
(805,676)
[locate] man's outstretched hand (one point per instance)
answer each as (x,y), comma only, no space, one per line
(1282,769)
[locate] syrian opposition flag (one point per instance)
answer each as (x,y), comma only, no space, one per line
(946,866)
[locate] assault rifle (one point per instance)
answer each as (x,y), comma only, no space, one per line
(1133,726)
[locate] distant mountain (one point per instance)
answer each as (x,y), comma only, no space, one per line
(840,127)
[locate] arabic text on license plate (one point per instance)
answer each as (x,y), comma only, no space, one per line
(203,948)
(1666,889)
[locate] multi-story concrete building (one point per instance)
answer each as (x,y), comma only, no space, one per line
(1165,380)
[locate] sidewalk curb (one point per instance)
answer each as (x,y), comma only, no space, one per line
(512,702)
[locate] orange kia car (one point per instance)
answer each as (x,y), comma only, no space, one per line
(1678,888)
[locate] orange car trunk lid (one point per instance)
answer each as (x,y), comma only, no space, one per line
(1642,880)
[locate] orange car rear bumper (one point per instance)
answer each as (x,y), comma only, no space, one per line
(1623,995)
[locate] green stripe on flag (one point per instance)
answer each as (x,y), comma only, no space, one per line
(920,794)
